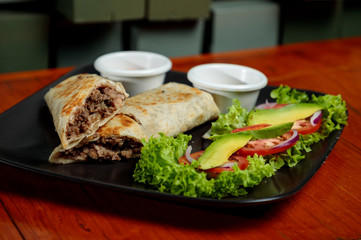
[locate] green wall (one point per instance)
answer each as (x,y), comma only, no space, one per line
(38,34)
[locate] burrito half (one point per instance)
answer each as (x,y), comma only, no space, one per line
(170,109)
(81,104)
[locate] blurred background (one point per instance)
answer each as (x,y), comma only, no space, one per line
(38,34)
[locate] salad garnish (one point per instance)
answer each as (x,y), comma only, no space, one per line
(167,164)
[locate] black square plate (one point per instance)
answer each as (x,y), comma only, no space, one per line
(27,137)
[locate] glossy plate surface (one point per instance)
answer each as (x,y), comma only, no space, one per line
(28,137)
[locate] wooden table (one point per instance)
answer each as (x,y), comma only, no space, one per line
(35,206)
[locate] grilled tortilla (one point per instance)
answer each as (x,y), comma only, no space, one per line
(81,104)
(170,109)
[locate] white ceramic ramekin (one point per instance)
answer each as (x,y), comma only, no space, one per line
(138,71)
(228,81)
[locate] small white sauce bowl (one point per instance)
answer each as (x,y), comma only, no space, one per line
(228,81)
(138,71)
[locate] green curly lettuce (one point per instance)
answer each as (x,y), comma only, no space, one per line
(158,167)
(334,113)
(235,183)
(285,94)
(334,116)
(234,118)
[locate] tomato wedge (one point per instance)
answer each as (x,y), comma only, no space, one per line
(214,172)
(267,146)
(305,127)
(183,160)
(264,146)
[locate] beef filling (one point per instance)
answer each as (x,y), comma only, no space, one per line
(100,104)
(115,148)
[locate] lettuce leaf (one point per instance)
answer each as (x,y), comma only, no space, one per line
(158,167)
(234,118)
(334,115)
(235,183)
(285,94)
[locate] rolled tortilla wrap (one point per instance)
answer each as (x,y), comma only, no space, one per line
(81,104)
(170,109)
(119,138)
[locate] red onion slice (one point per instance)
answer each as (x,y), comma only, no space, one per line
(316,118)
(188,154)
(292,140)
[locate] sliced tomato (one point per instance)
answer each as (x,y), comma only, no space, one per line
(305,127)
(266,146)
(240,160)
(183,160)
(262,146)
(251,128)
(214,172)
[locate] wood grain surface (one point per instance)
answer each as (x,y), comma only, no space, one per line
(36,206)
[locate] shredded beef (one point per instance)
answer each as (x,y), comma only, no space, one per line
(115,148)
(101,103)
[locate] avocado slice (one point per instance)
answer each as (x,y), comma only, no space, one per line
(272,131)
(220,150)
(289,113)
